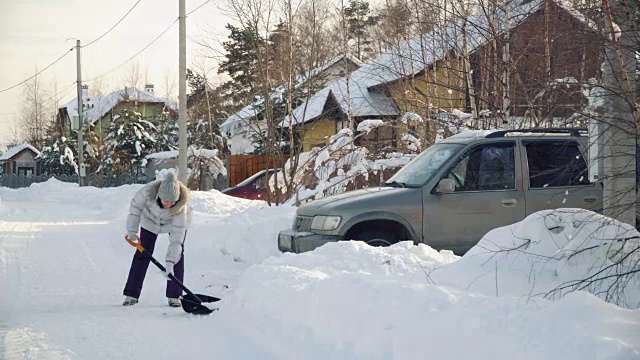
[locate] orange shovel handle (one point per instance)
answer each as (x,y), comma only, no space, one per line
(136,244)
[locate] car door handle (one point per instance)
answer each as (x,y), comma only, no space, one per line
(509,202)
(590,199)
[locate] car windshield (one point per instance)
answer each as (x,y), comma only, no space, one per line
(250,179)
(424,166)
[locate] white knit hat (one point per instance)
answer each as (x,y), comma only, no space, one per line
(169,189)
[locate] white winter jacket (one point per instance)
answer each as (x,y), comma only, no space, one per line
(146,212)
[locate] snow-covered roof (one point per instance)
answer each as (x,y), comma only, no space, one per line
(239,119)
(100,105)
(411,58)
(314,72)
(16,150)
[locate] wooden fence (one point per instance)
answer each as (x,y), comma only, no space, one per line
(244,166)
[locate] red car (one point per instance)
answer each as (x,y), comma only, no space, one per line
(253,188)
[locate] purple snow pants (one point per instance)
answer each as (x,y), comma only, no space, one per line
(139,266)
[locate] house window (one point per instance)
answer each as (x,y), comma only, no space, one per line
(25,171)
(342,124)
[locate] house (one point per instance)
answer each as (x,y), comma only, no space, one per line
(100,111)
(20,160)
(241,126)
(453,70)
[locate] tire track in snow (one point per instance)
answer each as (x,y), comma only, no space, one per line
(22,344)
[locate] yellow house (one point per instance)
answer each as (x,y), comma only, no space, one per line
(386,89)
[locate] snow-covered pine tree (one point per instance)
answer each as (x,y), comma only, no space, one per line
(130,139)
(198,135)
(92,152)
(166,136)
(58,157)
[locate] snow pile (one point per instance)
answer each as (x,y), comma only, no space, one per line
(411,142)
(216,203)
(550,253)
(351,301)
(411,117)
(368,125)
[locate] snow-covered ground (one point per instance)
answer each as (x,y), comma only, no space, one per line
(63,263)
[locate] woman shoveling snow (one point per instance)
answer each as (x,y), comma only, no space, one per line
(160,207)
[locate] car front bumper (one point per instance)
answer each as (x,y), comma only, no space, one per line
(299,242)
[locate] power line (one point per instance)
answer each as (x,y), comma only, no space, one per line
(135,55)
(116,24)
(101,36)
(62,92)
(198,8)
(149,44)
(38,73)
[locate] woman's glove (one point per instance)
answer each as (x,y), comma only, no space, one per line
(169,268)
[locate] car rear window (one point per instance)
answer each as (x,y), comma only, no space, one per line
(555,164)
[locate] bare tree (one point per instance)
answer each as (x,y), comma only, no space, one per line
(169,86)
(33,114)
(133,76)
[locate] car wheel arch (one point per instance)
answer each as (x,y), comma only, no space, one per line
(378,220)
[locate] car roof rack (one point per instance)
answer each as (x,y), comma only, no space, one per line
(569,131)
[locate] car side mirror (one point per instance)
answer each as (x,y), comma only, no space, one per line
(446,186)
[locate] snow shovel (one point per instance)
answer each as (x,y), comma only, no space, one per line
(191,303)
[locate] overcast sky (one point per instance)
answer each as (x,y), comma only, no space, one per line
(33,33)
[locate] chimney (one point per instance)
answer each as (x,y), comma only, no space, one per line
(85,91)
(149,88)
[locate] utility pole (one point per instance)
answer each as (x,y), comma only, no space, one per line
(80,118)
(620,128)
(182,94)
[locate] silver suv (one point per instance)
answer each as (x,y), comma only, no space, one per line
(456,191)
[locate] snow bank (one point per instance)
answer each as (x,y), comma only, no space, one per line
(351,301)
(548,253)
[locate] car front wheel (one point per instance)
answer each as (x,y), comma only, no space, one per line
(377,237)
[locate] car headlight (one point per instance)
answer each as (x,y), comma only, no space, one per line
(321,222)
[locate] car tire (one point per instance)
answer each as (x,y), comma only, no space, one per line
(377,237)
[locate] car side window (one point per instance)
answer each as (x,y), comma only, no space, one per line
(555,164)
(485,167)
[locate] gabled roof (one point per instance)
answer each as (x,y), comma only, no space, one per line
(16,150)
(103,104)
(239,118)
(411,58)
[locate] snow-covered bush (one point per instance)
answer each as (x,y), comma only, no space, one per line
(339,167)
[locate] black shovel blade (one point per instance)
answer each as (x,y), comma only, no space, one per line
(191,305)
